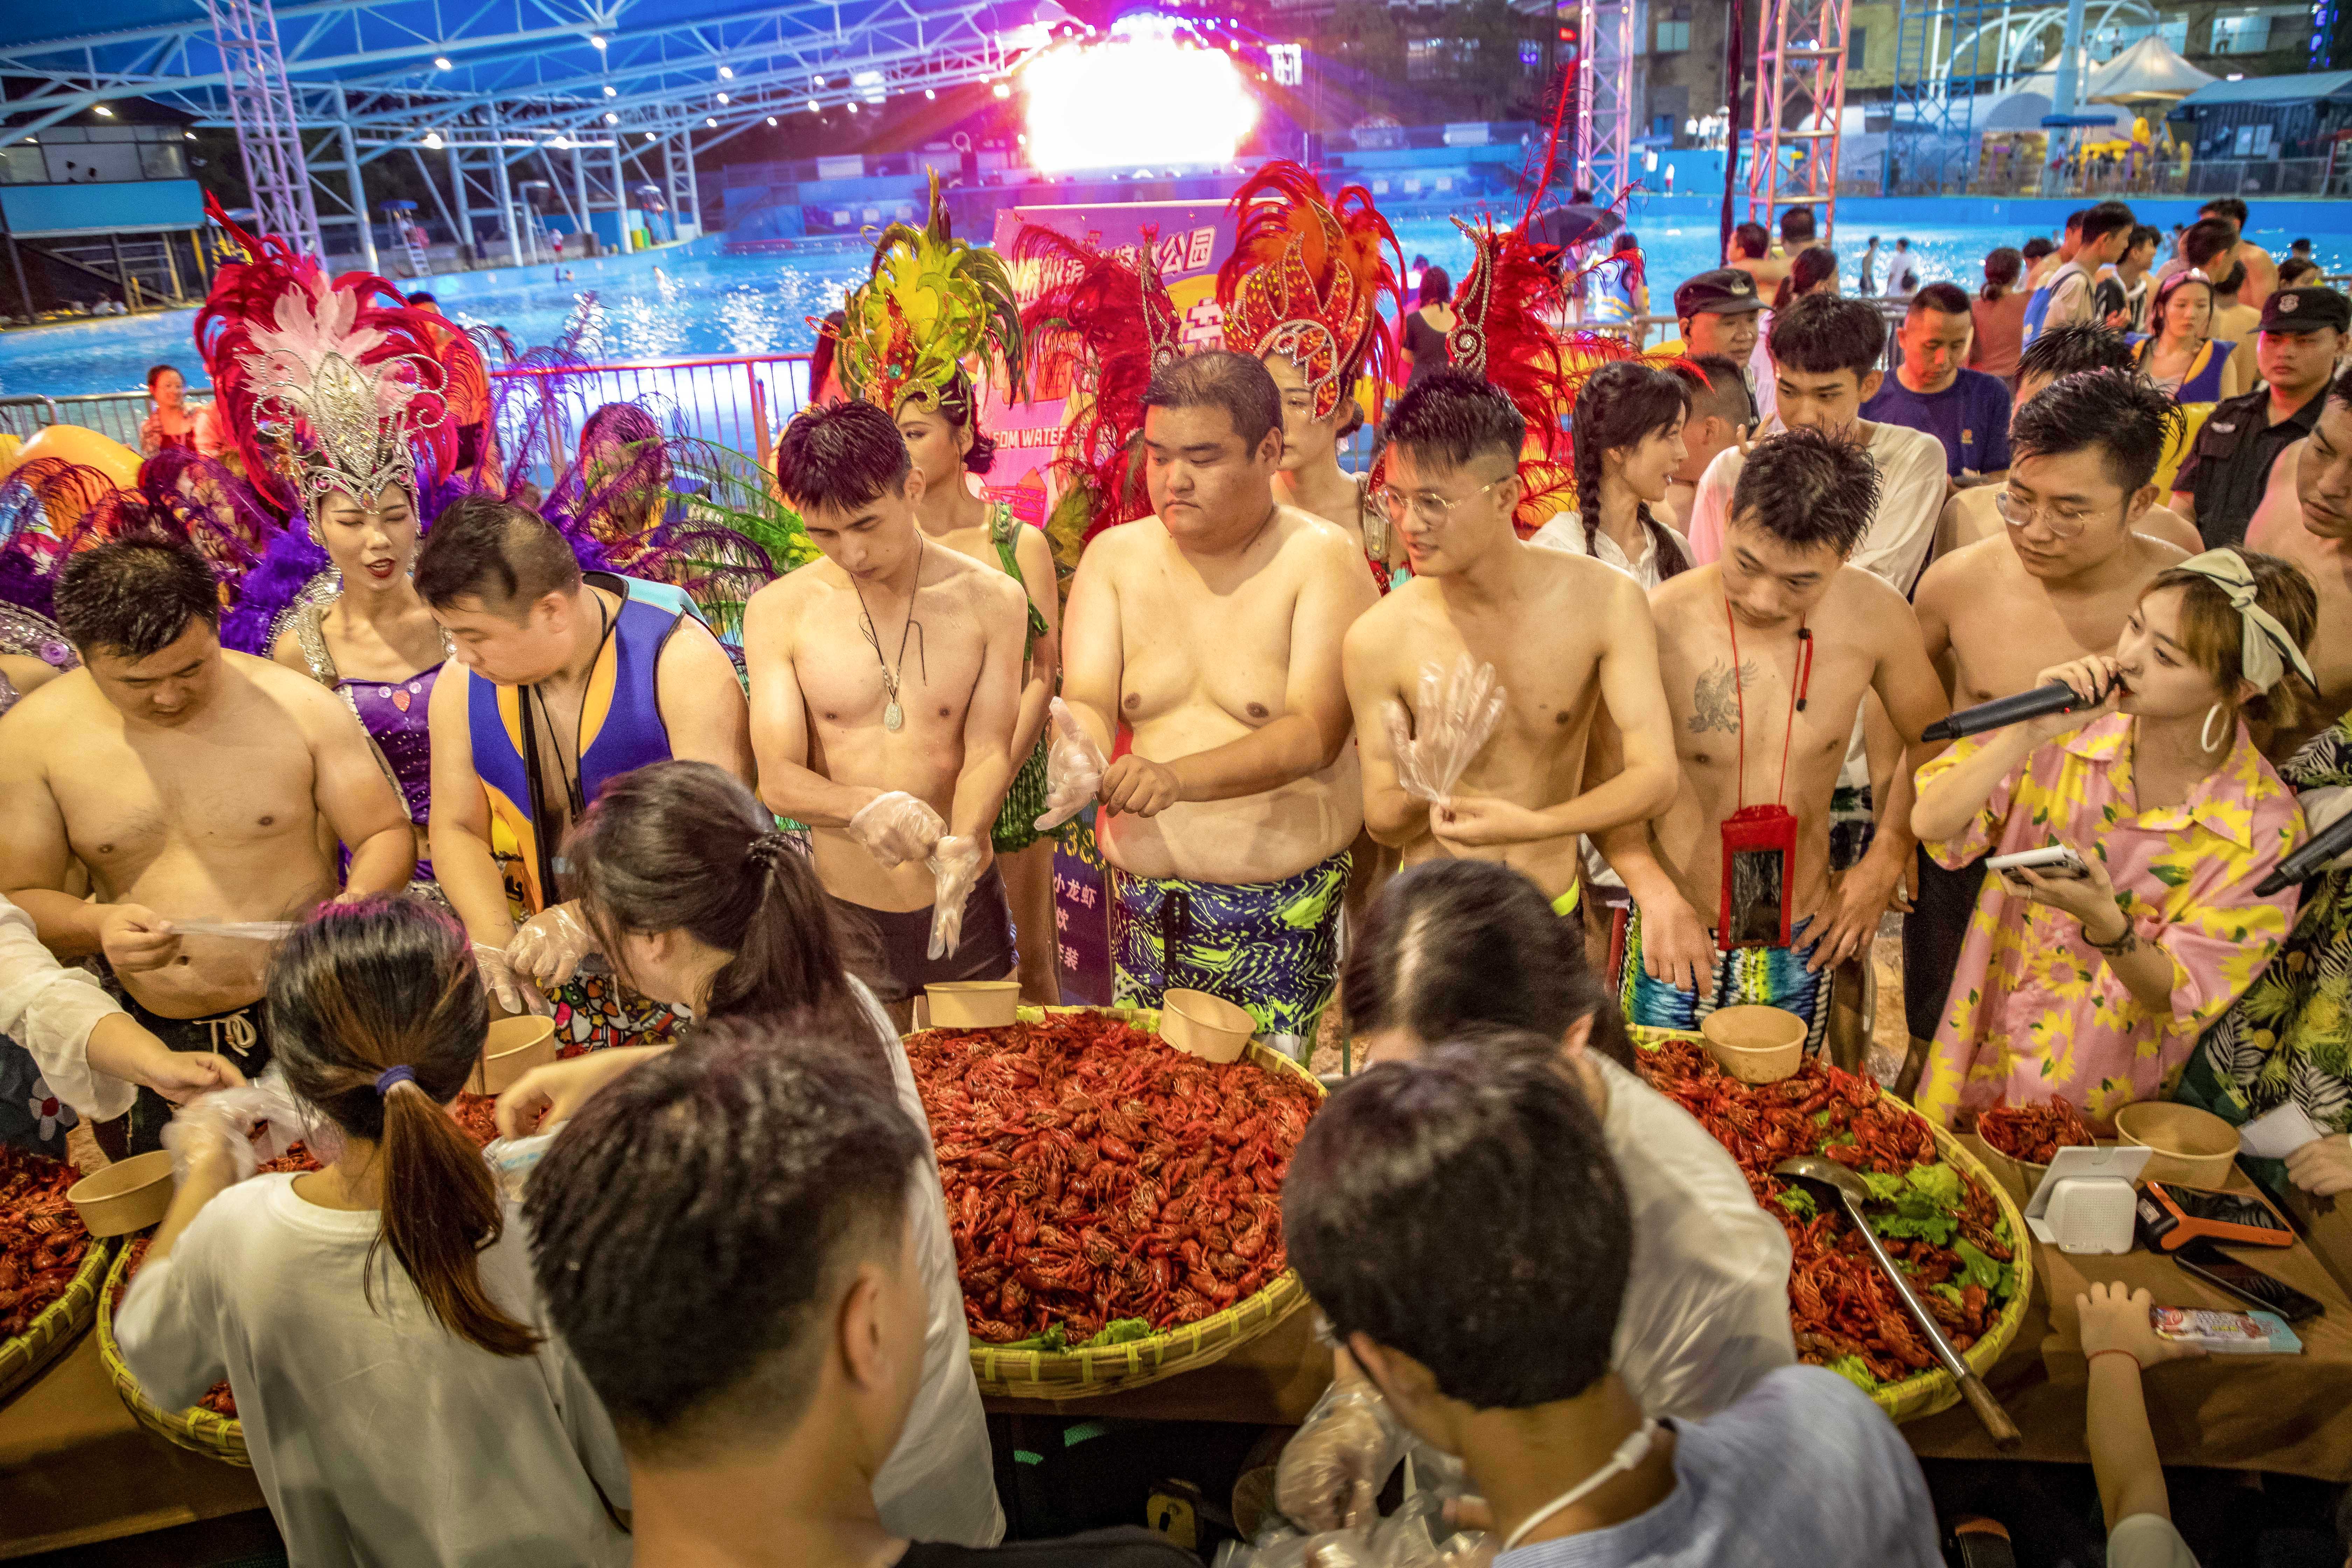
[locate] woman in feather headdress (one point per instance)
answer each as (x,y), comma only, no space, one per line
(1301,291)
(331,387)
(930,304)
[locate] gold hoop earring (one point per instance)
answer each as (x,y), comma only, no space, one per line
(2205,732)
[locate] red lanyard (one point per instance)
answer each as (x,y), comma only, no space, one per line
(1796,703)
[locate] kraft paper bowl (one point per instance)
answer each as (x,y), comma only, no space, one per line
(2192,1148)
(1755,1044)
(974,1004)
(1207,1026)
(130,1195)
(514,1047)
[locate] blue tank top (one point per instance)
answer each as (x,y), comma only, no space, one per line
(621,728)
(2204,382)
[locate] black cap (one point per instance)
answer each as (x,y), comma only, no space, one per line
(2306,310)
(1725,291)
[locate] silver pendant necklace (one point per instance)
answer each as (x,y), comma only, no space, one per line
(894,717)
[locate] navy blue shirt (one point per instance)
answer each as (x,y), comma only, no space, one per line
(1970,417)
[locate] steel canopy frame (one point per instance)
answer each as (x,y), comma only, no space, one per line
(1800,97)
(1604,98)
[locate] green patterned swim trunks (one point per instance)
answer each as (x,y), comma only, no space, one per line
(1024,803)
(1271,947)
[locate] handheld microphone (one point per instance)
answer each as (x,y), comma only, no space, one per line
(2056,698)
(2323,847)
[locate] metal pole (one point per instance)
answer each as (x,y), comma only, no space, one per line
(620,200)
(580,193)
(171,264)
(504,188)
(465,211)
(358,188)
(434,186)
(2063,101)
(122,277)
(17,260)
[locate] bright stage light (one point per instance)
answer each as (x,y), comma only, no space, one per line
(1140,98)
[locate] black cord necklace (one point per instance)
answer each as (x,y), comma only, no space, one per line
(894,716)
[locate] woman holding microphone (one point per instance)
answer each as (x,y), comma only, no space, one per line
(2091,984)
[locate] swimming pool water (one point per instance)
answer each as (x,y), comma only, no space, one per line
(718,304)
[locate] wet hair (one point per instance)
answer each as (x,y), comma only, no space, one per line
(1622,404)
(1219,378)
(1453,945)
(693,1224)
(958,406)
(1813,265)
(505,555)
(2106,218)
(1797,227)
(2229,207)
(841,456)
(1821,334)
(1946,299)
(684,845)
(1753,240)
(2127,415)
(2206,241)
(2037,248)
(1436,288)
(1481,1151)
(359,989)
(1805,490)
(2212,633)
(134,596)
(1449,416)
(2003,267)
(156,373)
(2062,350)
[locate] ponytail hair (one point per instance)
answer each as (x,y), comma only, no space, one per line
(356,991)
(1621,404)
(683,845)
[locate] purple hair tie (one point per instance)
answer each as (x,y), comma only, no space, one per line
(392,1076)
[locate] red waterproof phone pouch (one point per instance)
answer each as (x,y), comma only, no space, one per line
(1760,858)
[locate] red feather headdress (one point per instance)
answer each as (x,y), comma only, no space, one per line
(1304,279)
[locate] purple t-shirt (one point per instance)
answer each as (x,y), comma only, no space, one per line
(1970,417)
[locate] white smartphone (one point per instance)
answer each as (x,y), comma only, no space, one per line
(2055,860)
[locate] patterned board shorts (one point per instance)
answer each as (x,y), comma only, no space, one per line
(1016,824)
(1774,976)
(1271,947)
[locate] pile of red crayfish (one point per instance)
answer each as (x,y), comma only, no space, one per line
(1094,1176)
(2033,1134)
(1844,1310)
(41,1237)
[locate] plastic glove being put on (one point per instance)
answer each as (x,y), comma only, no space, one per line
(547,949)
(956,864)
(259,1121)
(1074,769)
(1418,1535)
(895,827)
(1334,1466)
(1433,744)
(508,990)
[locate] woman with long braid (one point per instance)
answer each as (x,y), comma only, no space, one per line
(1627,432)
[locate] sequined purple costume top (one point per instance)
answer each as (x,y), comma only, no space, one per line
(394,713)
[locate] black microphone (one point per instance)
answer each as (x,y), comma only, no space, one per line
(2323,847)
(2055,697)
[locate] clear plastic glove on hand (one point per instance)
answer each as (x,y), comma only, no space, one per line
(1435,743)
(1074,769)
(956,865)
(548,947)
(515,995)
(231,1116)
(895,827)
(1332,1470)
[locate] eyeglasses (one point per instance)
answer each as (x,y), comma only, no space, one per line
(1430,510)
(2062,523)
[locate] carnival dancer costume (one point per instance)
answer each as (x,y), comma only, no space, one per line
(1305,281)
(929,305)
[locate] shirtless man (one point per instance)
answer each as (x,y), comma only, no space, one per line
(2306,517)
(2055,585)
(1202,654)
(194,783)
(886,682)
(561,681)
(1777,620)
(1564,633)
(1974,514)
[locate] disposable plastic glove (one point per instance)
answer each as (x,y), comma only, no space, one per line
(895,827)
(508,990)
(230,1117)
(1074,769)
(1330,1474)
(1433,744)
(550,945)
(956,864)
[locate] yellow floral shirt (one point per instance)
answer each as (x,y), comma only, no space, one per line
(2035,1013)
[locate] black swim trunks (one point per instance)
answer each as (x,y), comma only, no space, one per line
(240,1033)
(904,965)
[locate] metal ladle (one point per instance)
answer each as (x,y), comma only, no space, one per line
(1853,1192)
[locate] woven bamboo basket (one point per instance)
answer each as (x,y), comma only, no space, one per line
(60,1322)
(1928,1393)
(1008,1373)
(195,1428)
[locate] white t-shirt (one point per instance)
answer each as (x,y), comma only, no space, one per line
(1565,533)
(377,1435)
(2148,1540)
(1706,1303)
(1902,273)
(1902,531)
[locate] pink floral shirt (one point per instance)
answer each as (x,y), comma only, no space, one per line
(2035,1013)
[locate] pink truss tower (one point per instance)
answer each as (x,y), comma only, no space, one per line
(262,106)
